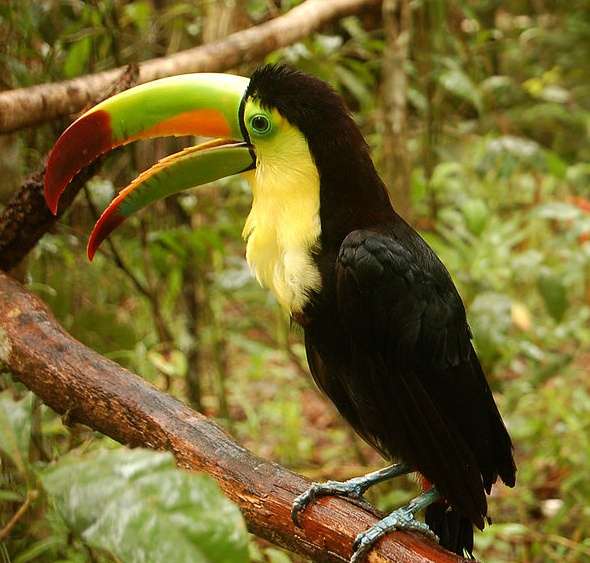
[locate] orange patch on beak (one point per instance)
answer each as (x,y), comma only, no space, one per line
(204,122)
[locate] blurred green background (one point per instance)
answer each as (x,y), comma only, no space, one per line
(498,155)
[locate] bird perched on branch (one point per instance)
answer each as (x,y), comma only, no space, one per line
(386,334)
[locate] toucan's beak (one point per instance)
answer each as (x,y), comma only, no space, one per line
(191,104)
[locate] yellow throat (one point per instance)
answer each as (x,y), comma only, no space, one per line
(283,227)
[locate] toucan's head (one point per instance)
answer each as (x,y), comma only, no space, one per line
(257,121)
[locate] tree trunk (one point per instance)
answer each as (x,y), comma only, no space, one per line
(396,159)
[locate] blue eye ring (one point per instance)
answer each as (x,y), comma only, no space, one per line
(260,124)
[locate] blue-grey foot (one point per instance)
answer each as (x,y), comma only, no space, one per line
(400,519)
(354,488)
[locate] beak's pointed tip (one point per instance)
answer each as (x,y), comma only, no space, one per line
(93,243)
(52,202)
(106,224)
(52,191)
(90,252)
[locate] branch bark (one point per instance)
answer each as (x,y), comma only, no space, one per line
(92,390)
(25,107)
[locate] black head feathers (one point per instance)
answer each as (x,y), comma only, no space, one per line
(315,108)
(348,178)
(297,96)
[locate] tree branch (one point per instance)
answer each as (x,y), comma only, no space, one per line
(31,496)
(97,392)
(25,107)
(26,217)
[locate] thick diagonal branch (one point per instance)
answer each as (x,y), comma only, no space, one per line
(97,392)
(30,106)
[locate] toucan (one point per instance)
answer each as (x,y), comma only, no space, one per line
(386,334)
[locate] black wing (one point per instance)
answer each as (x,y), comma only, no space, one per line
(414,379)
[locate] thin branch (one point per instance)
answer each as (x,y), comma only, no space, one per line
(99,393)
(164,332)
(25,107)
(31,496)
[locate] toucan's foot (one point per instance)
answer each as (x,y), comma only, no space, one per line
(354,488)
(400,519)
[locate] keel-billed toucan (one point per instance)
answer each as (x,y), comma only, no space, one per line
(386,335)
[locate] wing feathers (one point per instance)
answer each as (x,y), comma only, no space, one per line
(413,376)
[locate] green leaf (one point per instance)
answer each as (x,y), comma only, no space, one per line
(555,165)
(137,505)
(554,294)
(354,85)
(456,82)
(10,496)
(476,215)
(77,57)
(172,364)
(276,556)
(139,13)
(15,428)
(34,551)
(490,316)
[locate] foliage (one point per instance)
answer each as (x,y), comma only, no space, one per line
(138,506)
(498,120)
(108,503)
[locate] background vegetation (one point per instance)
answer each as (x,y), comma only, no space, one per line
(497,140)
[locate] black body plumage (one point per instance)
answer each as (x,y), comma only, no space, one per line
(387,338)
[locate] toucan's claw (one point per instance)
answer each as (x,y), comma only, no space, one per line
(354,488)
(400,519)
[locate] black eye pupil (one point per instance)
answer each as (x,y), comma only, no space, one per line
(260,123)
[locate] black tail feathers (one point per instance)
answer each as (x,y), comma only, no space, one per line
(454,531)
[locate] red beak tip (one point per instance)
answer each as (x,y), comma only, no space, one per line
(78,146)
(52,196)
(90,251)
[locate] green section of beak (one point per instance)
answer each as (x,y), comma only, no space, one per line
(191,104)
(189,168)
(204,104)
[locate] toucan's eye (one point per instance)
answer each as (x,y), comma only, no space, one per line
(260,124)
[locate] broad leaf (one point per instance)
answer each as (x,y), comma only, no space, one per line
(459,84)
(15,428)
(554,294)
(476,215)
(137,505)
(77,57)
